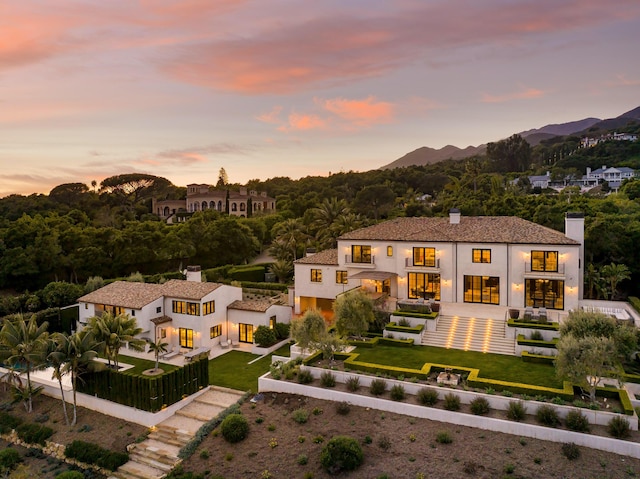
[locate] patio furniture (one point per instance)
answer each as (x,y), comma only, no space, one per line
(542,315)
(528,314)
(225,344)
(175,351)
(190,356)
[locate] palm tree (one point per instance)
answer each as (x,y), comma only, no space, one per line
(23,343)
(291,232)
(591,278)
(157,348)
(282,269)
(113,331)
(614,274)
(324,218)
(53,343)
(76,354)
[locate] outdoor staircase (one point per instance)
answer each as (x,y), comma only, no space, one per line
(470,334)
(154,457)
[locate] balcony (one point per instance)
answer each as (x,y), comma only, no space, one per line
(408,263)
(360,263)
(534,272)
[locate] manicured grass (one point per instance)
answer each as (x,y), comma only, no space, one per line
(232,369)
(140,365)
(491,366)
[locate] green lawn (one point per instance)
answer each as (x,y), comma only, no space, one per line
(232,369)
(491,366)
(140,365)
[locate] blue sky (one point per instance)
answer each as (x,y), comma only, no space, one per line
(263,88)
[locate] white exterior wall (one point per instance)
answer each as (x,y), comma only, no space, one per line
(142,316)
(257,318)
(327,289)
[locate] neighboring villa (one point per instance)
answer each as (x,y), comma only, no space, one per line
(206,197)
(186,314)
(587,142)
(614,176)
(490,260)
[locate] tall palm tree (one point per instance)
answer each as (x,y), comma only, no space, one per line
(76,354)
(113,331)
(591,278)
(614,274)
(291,232)
(22,343)
(52,347)
(324,217)
(282,269)
(157,348)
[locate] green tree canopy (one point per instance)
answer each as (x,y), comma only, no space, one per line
(354,313)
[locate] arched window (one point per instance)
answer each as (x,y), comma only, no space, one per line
(242,206)
(219,205)
(212,205)
(234,207)
(166,211)
(196,206)
(204,205)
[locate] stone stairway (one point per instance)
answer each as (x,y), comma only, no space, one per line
(154,457)
(470,334)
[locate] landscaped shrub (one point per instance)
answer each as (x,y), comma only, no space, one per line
(265,336)
(305,377)
(353,383)
(234,428)
(34,433)
(91,453)
(9,458)
(397,392)
(576,421)
(384,443)
(516,411)
(444,438)
(536,335)
(70,475)
(451,402)
(618,427)
(479,406)
(547,416)
(570,451)
(300,415)
(341,453)
(378,387)
(8,422)
(427,396)
(282,330)
(327,379)
(343,408)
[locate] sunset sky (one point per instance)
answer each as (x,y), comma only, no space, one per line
(264,88)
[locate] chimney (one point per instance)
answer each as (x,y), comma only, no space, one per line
(454,216)
(588,172)
(194,274)
(574,229)
(310,252)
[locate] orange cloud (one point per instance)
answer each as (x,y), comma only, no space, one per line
(271,117)
(360,113)
(303,122)
(525,94)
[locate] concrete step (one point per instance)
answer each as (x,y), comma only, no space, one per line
(146,457)
(170,436)
(182,423)
(135,470)
(149,454)
(199,414)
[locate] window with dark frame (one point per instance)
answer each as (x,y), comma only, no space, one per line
(215,331)
(546,261)
(424,257)
(316,276)
(341,277)
(361,253)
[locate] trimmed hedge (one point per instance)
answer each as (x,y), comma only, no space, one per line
(248,273)
(538,343)
(409,314)
(91,453)
(32,433)
(512,323)
(635,303)
(381,340)
(528,357)
(392,326)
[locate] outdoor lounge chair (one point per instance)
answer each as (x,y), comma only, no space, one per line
(171,354)
(542,315)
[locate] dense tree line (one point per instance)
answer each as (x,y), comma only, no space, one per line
(108,230)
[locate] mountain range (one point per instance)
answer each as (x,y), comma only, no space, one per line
(426,155)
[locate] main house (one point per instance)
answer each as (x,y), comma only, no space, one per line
(185,314)
(486,260)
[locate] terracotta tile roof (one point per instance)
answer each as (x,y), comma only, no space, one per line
(124,293)
(327,257)
(178,288)
(258,305)
(471,229)
(136,295)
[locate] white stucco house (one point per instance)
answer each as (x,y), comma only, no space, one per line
(499,261)
(185,314)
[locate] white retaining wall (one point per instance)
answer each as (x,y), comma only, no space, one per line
(632,449)
(417,337)
(512,333)
(536,350)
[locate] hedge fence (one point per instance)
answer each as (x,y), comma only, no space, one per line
(149,393)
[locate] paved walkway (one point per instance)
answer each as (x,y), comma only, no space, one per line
(154,457)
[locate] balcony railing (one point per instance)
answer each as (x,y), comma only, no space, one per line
(408,263)
(529,269)
(348,259)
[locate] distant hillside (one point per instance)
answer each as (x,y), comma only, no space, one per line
(427,156)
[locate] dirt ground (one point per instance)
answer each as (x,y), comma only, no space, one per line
(395,446)
(106,431)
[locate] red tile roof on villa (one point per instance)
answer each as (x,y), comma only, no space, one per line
(471,229)
(125,294)
(259,305)
(178,288)
(136,295)
(325,257)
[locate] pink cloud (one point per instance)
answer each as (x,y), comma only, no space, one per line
(303,122)
(272,116)
(523,94)
(360,113)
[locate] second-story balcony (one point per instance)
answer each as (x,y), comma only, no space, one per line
(545,271)
(361,261)
(408,263)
